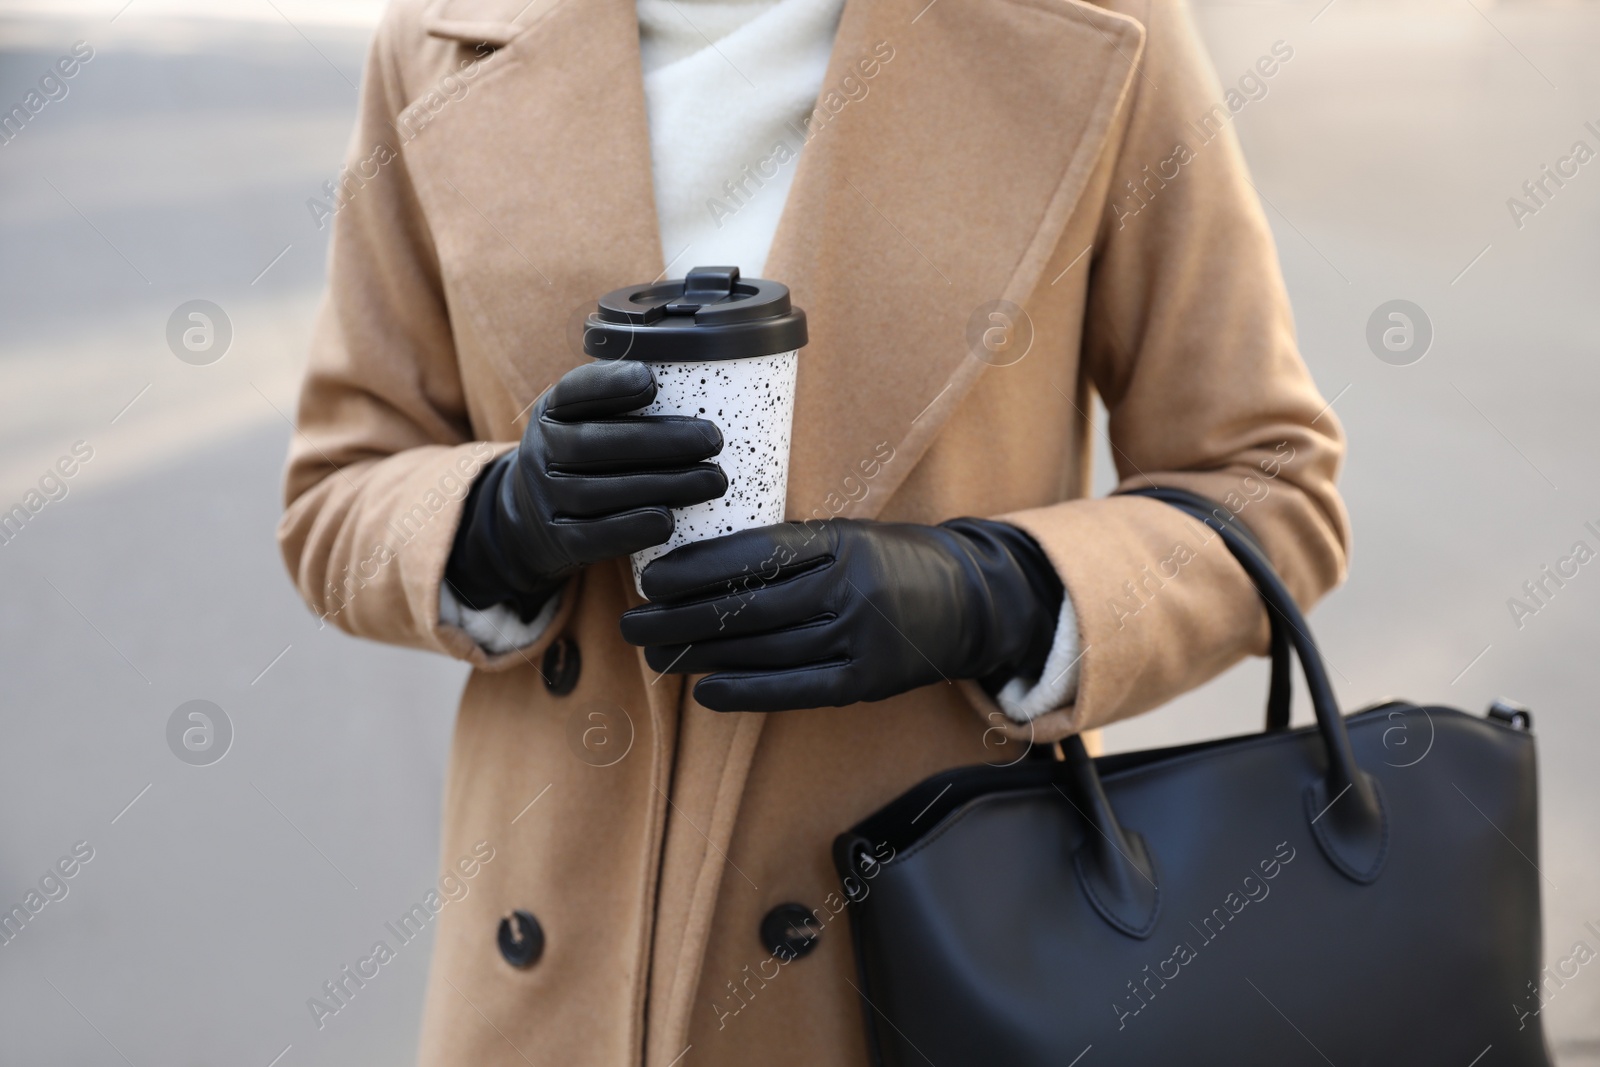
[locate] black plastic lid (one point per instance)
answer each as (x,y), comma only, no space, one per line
(711,314)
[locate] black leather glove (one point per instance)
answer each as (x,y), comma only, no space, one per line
(587,483)
(805,615)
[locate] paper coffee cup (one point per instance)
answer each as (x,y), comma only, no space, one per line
(725,349)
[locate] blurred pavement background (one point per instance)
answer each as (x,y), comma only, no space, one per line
(177,167)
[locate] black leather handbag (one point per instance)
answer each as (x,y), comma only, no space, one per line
(1364,891)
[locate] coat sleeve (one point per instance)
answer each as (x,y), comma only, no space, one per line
(383,452)
(1190,342)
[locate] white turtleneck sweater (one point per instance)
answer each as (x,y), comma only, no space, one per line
(725,83)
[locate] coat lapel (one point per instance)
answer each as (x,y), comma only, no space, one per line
(943,190)
(491,22)
(537,182)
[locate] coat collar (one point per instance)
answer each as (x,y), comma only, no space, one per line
(943,189)
(915,207)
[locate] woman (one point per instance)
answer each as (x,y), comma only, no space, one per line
(990,210)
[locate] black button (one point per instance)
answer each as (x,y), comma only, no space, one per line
(562,665)
(790,931)
(521,939)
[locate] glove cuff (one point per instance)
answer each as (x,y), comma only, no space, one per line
(1023,595)
(478,573)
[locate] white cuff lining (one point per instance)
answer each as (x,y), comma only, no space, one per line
(497,628)
(1057,685)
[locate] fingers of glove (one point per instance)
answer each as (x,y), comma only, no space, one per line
(614,536)
(645,442)
(594,495)
(825,685)
(601,389)
(748,606)
(797,646)
(757,557)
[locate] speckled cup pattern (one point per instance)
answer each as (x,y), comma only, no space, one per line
(752,403)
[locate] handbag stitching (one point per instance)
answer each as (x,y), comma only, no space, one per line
(957,816)
(1140,932)
(1340,863)
(1131,774)
(1099,904)
(1135,773)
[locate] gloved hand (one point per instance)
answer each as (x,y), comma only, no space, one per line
(804,615)
(587,483)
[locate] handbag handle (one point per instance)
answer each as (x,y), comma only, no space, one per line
(1280,691)
(1343,804)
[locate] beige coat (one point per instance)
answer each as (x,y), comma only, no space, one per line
(500,181)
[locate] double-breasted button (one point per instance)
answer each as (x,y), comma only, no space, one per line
(521,939)
(562,665)
(789,931)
